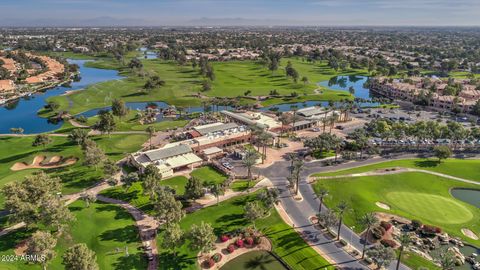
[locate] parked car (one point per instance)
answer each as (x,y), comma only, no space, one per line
(227,165)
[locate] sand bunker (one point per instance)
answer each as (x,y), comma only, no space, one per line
(468,233)
(40,162)
(382,205)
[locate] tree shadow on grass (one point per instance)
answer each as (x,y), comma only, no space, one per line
(122,194)
(128,234)
(181,261)
(426,163)
(136,94)
(12,239)
(75,208)
(119,212)
(75,178)
(132,261)
(262,261)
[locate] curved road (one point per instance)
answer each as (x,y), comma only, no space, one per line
(300,211)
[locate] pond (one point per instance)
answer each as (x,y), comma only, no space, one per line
(254,260)
(468,250)
(23,112)
(158,104)
(470,196)
(148,54)
(353,84)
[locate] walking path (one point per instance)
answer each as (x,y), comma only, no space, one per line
(147,227)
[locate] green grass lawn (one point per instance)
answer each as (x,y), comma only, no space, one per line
(232,79)
(130,123)
(464,168)
(240,185)
(135,196)
(415,261)
(75,177)
(208,175)
(229,216)
(412,195)
(103,227)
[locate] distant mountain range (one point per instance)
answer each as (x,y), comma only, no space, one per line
(112,21)
(98,21)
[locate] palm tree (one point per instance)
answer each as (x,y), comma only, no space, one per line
(151,131)
(342,207)
(297,170)
(368,220)
(332,121)
(263,138)
(325,121)
(321,193)
(294,108)
(285,119)
(249,161)
(336,143)
(405,241)
(217,190)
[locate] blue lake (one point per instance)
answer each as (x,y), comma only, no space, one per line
(23,112)
(344,83)
(147,54)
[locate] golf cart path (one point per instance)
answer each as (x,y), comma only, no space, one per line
(147,227)
(397,171)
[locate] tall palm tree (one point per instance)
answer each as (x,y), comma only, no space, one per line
(332,120)
(325,121)
(298,165)
(336,144)
(342,207)
(294,108)
(249,161)
(217,190)
(405,241)
(368,220)
(321,193)
(151,131)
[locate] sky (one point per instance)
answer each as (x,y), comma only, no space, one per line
(239,12)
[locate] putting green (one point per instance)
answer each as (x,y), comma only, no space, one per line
(434,208)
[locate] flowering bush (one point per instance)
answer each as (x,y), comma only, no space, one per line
(431,230)
(387,226)
(231,248)
(224,238)
(249,241)
(378,232)
(239,243)
(217,257)
(388,243)
(210,263)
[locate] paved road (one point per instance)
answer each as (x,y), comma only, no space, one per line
(300,211)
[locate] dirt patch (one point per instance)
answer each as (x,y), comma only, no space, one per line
(382,205)
(468,233)
(39,163)
(20,248)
